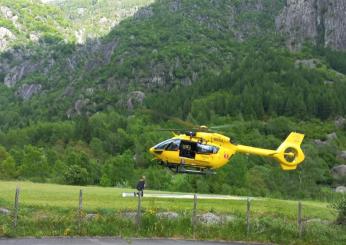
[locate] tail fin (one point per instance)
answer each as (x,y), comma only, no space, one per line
(289,154)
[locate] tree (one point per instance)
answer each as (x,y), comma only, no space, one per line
(256,180)
(83,129)
(119,170)
(7,165)
(158,178)
(76,175)
(340,207)
(34,164)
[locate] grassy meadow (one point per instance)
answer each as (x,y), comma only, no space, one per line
(52,210)
(64,196)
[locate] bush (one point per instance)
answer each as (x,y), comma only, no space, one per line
(340,207)
(76,175)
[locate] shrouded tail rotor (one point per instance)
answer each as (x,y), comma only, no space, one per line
(289,154)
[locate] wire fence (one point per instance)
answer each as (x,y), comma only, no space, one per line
(248,218)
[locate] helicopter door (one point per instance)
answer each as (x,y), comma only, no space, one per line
(171,152)
(205,153)
(187,149)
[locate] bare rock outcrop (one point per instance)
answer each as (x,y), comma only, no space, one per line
(26,91)
(80,35)
(340,189)
(329,138)
(144,13)
(135,97)
(342,155)
(34,37)
(167,215)
(316,220)
(101,55)
(209,218)
(339,171)
(80,104)
(319,21)
(8,14)
(19,72)
(5,211)
(6,36)
(339,122)
(90,217)
(174,6)
(309,63)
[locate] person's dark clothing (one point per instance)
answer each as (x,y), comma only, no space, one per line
(140,185)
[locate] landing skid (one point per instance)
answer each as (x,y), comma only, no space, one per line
(186,169)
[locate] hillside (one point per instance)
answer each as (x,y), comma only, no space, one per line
(29,22)
(92,69)
(74,106)
(92,19)
(135,60)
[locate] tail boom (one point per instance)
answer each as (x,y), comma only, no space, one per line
(288,154)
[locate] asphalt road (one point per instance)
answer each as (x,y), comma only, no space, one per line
(108,241)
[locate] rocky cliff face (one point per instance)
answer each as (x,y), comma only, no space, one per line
(322,22)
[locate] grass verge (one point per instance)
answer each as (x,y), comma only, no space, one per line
(52,210)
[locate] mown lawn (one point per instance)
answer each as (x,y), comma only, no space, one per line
(65,196)
(51,210)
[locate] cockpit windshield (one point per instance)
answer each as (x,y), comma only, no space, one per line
(174,145)
(163,145)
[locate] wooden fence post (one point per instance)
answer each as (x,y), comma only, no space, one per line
(139,210)
(194,214)
(16,207)
(248,208)
(80,209)
(194,218)
(300,223)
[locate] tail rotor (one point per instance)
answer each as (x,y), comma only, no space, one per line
(289,154)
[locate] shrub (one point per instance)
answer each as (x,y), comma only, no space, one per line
(340,207)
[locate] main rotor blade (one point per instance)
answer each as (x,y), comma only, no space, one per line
(171,129)
(176,120)
(221,126)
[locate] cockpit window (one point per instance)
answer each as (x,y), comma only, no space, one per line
(174,145)
(163,145)
(206,149)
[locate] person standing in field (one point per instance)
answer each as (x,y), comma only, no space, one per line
(141,186)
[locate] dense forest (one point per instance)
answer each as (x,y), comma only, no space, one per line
(173,63)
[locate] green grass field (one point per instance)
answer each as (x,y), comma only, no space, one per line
(64,196)
(51,210)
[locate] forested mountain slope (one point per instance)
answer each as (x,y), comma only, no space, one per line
(74,109)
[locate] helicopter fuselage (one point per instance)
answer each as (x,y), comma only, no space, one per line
(200,150)
(195,152)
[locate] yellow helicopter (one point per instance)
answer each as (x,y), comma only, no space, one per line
(202,152)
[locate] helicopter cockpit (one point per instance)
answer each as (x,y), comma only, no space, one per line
(171,144)
(187,149)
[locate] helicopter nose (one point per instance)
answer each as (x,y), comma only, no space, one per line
(151,150)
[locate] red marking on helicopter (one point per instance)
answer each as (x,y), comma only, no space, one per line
(226,156)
